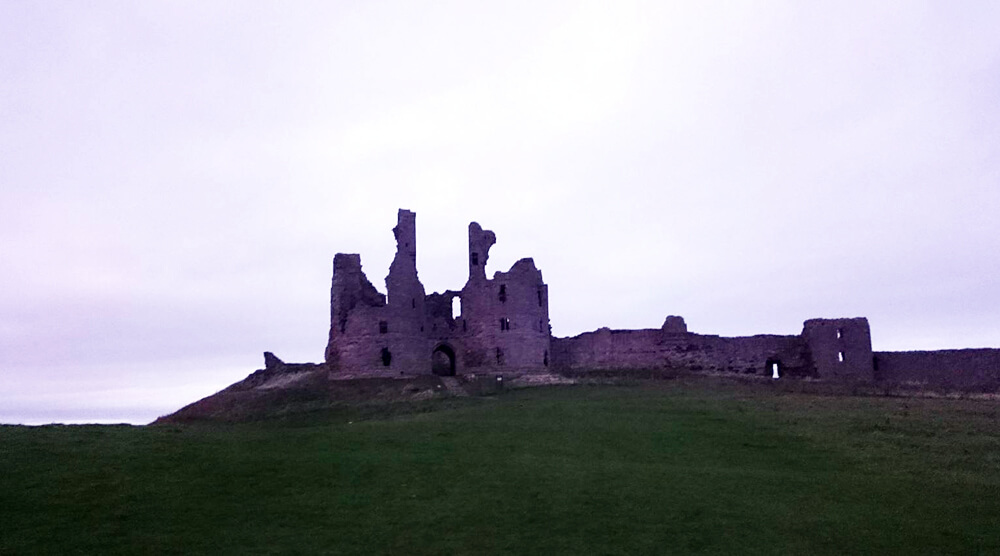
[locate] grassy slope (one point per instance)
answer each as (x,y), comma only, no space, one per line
(681,467)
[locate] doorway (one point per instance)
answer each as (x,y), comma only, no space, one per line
(443,360)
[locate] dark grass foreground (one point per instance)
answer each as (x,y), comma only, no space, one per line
(683,467)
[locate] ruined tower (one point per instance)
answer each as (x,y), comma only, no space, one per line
(507,317)
(840,348)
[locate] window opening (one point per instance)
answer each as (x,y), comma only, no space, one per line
(545,358)
(475,258)
(775,371)
(383,327)
(499,356)
(840,333)
(503,293)
(539,298)
(386,357)
(413,303)
(840,356)
(504,323)
(456,307)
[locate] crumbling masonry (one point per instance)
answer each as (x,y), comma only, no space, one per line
(504,329)
(504,322)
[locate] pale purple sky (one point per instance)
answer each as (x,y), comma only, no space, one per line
(175,177)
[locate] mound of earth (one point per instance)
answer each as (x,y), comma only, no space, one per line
(288,389)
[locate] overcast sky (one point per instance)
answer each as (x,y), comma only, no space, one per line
(175,177)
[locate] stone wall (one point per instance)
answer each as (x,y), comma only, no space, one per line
(947,369)
(830,349)
(670,347)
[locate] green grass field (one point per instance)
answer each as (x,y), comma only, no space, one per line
(676,467)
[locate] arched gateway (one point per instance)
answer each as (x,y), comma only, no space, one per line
(443,360)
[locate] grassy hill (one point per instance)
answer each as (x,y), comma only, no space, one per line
(685,466)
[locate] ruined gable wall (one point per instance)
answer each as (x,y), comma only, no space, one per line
(974,369)
(666,348)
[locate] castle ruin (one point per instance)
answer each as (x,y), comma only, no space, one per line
(503,329)
(504,322)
